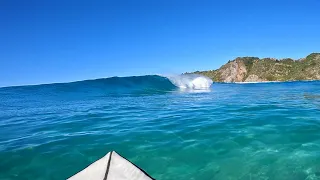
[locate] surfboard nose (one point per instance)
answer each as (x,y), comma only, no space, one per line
(112,166)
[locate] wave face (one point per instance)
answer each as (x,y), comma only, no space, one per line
(123,85)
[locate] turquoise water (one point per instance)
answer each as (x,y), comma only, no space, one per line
(234,131)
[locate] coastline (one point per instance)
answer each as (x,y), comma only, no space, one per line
(260,82)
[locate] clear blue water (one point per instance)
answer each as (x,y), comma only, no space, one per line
(234,131)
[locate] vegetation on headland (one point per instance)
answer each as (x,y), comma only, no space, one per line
(254,69)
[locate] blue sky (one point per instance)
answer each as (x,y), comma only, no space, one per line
(61,41)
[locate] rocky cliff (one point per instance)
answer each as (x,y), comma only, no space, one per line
(253,69)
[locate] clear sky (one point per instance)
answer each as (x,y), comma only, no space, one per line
(44,41)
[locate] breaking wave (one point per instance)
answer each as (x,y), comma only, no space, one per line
(191,81)
(149,84)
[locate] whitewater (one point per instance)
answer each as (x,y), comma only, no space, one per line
(191,81)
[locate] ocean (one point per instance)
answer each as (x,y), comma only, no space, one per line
(166,126)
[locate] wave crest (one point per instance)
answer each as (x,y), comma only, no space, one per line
(120,86)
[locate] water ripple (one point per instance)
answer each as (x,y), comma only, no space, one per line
(235,131)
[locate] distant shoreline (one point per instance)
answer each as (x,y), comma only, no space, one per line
(265,70)
(261,82)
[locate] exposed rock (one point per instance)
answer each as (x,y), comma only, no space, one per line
(235,72)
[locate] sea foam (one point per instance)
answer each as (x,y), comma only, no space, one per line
(191,81)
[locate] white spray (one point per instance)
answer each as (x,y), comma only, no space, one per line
(191,81)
